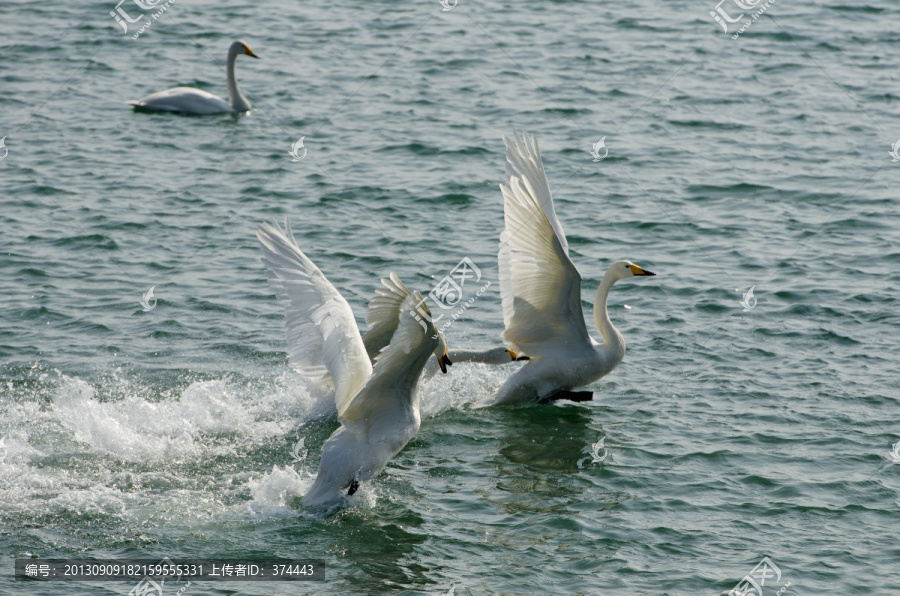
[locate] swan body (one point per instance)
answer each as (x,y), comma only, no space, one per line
(189,100)
(541,290)
(377,406)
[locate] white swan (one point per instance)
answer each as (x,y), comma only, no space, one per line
(189,100)
(377,408)
(541,290)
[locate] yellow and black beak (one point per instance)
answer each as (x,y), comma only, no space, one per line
(444,362)
(516,357)
(639,271)
(249,52)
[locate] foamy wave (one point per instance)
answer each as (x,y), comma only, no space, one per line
(135,428)
(464,384)
(273,492)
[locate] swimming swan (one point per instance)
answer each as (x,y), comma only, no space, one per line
(189,100)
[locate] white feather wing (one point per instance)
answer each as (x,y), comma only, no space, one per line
(539,285)
(383,405)
(383,315)
(322,336)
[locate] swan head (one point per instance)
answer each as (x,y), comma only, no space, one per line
(517,356)
(241,47)
(502,355)
(442,353)
(626,269)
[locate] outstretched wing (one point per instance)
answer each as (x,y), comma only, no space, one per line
(385,400)
(383,315)
(539,285)
(322,336)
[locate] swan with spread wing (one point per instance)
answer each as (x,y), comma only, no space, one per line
(541,290)
(377,406)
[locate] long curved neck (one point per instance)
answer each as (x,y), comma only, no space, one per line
(611,335)
(237,99)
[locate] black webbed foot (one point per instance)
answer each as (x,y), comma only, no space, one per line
(354,486)
(570,395)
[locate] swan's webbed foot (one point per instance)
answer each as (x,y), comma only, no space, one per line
(570,395)
(354,486)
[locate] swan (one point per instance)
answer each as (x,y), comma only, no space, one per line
(377,406)
(381,320)
(189,100)
(541,290)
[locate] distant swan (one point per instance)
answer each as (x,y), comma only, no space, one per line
(189,100)
(377,407)
(541,290)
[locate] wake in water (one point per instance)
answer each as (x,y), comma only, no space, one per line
(202,454)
